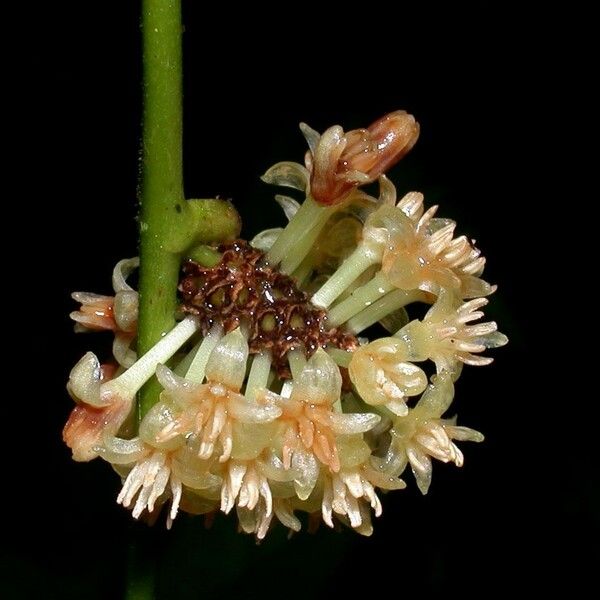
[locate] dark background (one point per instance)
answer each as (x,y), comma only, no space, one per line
(522,515)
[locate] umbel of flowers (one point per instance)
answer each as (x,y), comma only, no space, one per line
(274,402)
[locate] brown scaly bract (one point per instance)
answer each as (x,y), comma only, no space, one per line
(240,289)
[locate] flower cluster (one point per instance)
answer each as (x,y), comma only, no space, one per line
(275,403)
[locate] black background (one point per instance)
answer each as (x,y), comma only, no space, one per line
(522,514)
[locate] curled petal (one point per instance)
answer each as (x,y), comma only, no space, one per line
(289,205)
(121,272)
(227,362)
(312,137)
(285,514)
(492,340)
(265,239)
(463,434)
(438,397)
(473,287)
(384,480)
(174,383)
(387,191)
(84,381)
(421,467)
(118,451)
(122,350)
(306,472)
(126,310)
(320,381)
(246,411)
(96,312)
(287,174)
(353,423)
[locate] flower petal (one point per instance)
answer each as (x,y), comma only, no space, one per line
(123,269)
(289,205)
(288,174)
(227,362)
(437,397)
(84,381)
(320,381)
(306,473)
(246,411)
(265,239)
(353,423)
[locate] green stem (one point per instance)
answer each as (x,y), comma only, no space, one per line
(360,299)
(356,264)
(142,564)
(382,307)
(162,197)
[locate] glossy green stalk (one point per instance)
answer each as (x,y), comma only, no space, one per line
(162,198)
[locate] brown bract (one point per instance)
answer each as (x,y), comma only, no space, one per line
(238,290)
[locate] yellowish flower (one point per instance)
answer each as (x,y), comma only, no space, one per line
(116,313)
(310,422)
(350,494)
(423,434)
(207,414)
(447,336)
(272,405)
(382,376)
(246,487)
(425,255)
(104,403)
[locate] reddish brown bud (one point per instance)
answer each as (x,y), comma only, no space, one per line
(340,162)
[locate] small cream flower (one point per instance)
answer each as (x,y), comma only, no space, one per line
(246,488)
(97,412)
(147,482)
(383,377)
(424,255)
(376,242)
(209,414)
(310,424)
(103,403)
(118,313)
(446,336)
(423,435)
(350,493)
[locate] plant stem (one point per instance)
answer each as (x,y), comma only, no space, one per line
(360,299)
(382,307)
(142,564)
(162,197)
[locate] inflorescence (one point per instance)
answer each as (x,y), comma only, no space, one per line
(274,401)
